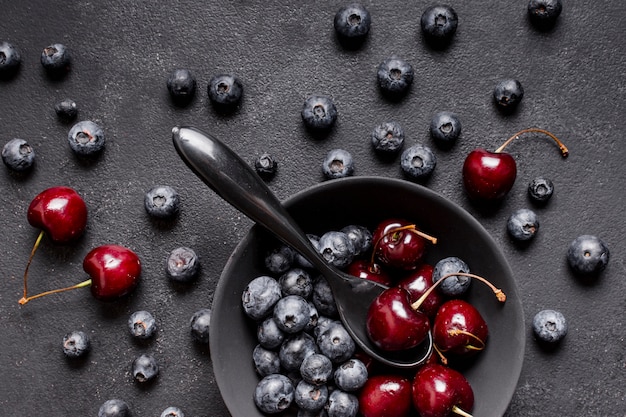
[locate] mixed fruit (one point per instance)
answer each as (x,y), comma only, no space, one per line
(305,357)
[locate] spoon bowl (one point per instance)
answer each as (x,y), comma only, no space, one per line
(233,179)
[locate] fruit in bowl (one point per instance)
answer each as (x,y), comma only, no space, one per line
(367,201)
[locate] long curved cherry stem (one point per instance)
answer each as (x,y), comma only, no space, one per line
(460,412)
(25,299)
(30,260)
(562,147)
(456,332)
(500,295)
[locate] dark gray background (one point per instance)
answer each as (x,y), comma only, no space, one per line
(574,79)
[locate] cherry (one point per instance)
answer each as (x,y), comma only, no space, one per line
(385,396)
(114,272)
(365,269)
(399,244)
(490,175)
(395,323)
(459,329)
(440,391)
(417,282)
(61,214)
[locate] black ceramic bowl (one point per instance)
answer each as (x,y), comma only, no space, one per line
(334,204)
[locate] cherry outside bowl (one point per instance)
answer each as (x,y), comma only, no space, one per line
(333,204)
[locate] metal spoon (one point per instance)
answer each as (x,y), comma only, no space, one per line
(237,183)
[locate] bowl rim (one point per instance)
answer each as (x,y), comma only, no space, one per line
(220,371)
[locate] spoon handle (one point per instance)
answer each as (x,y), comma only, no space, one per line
(237,183)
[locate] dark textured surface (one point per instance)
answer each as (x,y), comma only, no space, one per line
(573,77)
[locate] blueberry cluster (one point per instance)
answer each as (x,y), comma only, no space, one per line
(305,357)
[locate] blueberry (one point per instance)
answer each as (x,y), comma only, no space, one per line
(86,138)
(337,249)
(162,202)
(66,109)
(588,255)
(439,23)
(18,155)
(351,375)
(295,349)
(172,412)
(225,91)
(445,129)
(76,344)
(260,296)
(280,259)
(508,93)
(296,281)
(388,137)
(266,361)
(301,260)
(269,335)
(522,224)
(291,314)
(342,404)
(114,408)
(145,368)
(182,265)
(266,166)
(310,397)
(540,190)
(142,324)
(455,285)
(336,343)
(338,163)
(418,162)
(10,59)
(319,112)
(200,324)
(305,413)
(322,297)
(549,326)
(181,84)
(360,236)
(56,59)
(273,394)
(395,76)
(352,21)
(544,13)
(316,369)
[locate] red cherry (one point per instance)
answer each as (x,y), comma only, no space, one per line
(439,391)
(490,175)
(61,213)
(365,269)
(385,396)
(114,272)
(416,283)
(398,244)
(393,324)
(459,329)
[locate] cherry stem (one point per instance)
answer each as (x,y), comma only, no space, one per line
(460,412)
(25,299)
(497,291)
(562,147)
(412,227)
(456,332)
(30,260)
